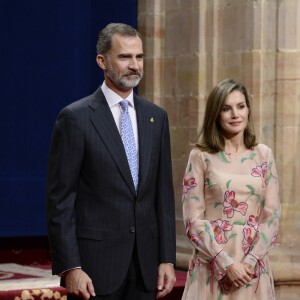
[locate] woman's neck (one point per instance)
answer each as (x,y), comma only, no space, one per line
(235,145)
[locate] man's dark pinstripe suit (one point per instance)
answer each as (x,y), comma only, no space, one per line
(94,216)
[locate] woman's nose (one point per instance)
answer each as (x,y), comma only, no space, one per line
(234,114)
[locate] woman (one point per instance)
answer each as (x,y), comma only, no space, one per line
(231,204)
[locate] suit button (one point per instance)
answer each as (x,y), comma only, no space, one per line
(137,203)
(132,229)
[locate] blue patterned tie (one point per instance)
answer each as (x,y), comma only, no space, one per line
(129,143)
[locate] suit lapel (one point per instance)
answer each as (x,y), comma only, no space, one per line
(105,125)
(145,138)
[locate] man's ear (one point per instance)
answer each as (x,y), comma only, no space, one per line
(101,61)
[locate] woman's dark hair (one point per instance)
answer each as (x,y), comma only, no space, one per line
(211,138)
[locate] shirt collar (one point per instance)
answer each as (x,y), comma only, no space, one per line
(113,98)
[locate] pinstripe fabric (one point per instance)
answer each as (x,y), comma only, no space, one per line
(93,213)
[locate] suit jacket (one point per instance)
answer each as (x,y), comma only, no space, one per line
(94,215)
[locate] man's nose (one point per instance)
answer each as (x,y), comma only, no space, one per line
(134,64)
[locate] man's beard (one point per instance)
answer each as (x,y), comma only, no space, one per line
(121,80)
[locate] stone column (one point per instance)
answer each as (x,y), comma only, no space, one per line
(171,33)
(190,45)
(287,141)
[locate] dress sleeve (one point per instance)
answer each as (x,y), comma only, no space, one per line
(268,218)
(199,231)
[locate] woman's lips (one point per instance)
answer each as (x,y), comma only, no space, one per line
(235,123)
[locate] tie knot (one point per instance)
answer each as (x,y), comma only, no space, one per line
(124,105)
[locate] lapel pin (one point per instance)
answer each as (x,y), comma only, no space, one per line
(152,120)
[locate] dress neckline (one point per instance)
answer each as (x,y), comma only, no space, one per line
(236,153)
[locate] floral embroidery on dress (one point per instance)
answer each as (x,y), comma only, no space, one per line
(219,228)
(194,238)
(275,238)
(194,264)
(211,267)
(225,285)
(223,157)
(248,239)
(262,172)
(275,215)
(188,184)
(253,220)
(259,270)
(231,205)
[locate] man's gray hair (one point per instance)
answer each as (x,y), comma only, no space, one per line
(106,34)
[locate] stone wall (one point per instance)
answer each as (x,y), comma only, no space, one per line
(190,45)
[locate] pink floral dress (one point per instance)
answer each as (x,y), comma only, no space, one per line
(231,211)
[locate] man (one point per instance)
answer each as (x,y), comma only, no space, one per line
(110,210)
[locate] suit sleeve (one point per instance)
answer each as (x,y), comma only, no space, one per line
(64,164)
(165,200)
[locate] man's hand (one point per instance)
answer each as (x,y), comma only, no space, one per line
(79,283)
(165,279)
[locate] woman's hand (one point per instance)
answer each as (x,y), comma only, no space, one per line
(239,274)
(250,267)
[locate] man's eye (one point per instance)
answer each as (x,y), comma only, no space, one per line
(124,56)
